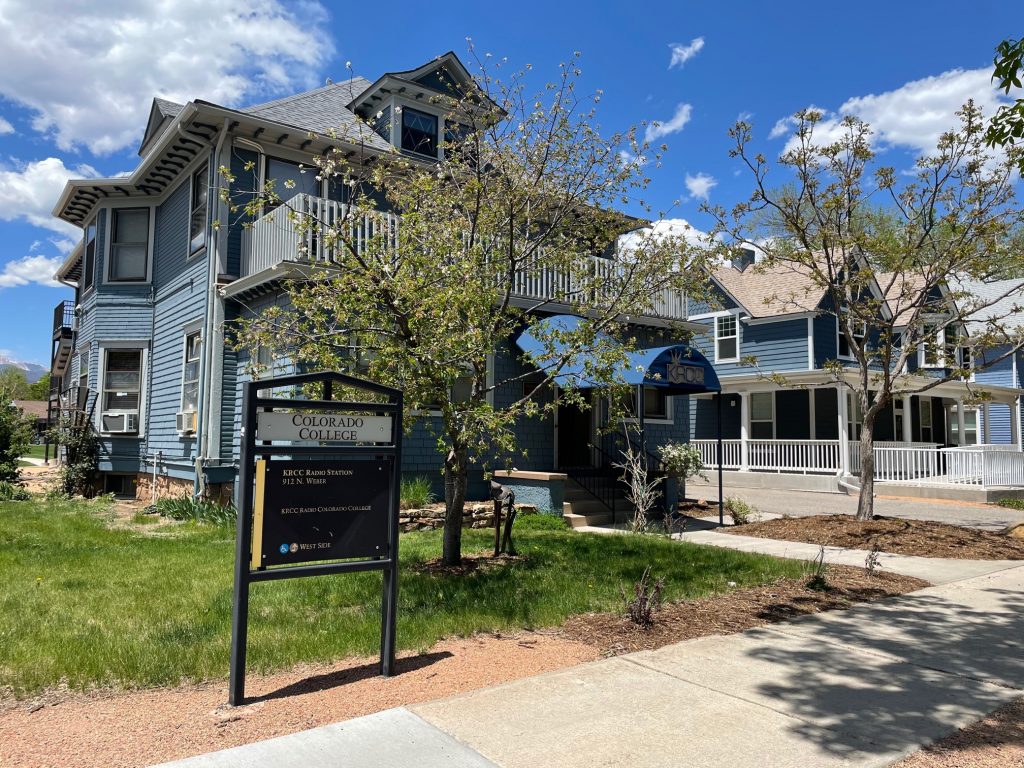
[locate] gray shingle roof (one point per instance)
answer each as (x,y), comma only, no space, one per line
(168,108)
(997,302)
(322,110)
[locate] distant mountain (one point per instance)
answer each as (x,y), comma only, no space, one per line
(32,371)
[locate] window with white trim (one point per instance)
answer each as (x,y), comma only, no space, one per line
(657,404)
(727,340)
(197,210)
(860,332)
(190,373)
(931,351)
(970,426)
(121,395)
(925,409)
(762,415)
(129,246)
(854,416)
(89,256)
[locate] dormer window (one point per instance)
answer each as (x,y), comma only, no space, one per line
(419,132)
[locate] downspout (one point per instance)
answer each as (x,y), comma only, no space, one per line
(205,361)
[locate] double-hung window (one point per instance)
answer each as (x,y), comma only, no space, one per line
(419,132)
(121,394)
(931,353)
(854,416)
(727,340)
(190,373)
(89,256)
(762,415)
(860,332)
(129,248)
(198,207)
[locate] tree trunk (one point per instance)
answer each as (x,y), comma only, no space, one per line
(455,481)
(866,502)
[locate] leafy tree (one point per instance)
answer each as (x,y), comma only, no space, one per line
(14,383)
(527,190)
(15,433)
(40,390)
(884,249)
(1007,125)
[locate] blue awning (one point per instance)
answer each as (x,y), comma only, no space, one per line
(678,368)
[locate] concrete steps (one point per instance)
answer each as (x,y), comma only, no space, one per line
(581,509)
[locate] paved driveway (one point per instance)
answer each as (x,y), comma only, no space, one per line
(805,503)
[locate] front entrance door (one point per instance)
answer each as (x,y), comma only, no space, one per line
(574,435)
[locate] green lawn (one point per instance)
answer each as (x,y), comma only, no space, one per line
(36,452)
(88,604)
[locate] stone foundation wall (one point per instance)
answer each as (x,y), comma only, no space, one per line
(168,487)
(479,515)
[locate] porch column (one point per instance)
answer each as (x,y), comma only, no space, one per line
(1015,423)
(908,422)
(744,431)
(986,431)
(844,437)
(960,423)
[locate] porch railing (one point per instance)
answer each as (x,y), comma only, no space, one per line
(899,463)
(284,234)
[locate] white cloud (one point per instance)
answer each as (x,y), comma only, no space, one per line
(683,53)
(657,129)
(89,79)
(661,229)
(30,191)
(700,185)
(912,116)
(30,269)
(5,127)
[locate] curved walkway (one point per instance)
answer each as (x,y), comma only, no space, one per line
(862,687)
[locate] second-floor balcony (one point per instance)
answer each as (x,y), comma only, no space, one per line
(281,237)
(63,338)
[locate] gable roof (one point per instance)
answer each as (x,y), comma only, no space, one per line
(161,112)
(781,289)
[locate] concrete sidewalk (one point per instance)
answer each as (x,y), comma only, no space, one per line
(861,687)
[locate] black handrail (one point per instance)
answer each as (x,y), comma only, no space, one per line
(64,316)
(598,480)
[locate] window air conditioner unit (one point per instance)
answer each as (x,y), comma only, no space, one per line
(120,423)
(185,421)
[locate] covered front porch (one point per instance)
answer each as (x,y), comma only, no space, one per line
(811,428)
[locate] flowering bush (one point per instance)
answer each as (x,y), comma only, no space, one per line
(682,460)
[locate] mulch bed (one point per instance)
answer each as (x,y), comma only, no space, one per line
(897,536)
(996,741)
(736,611)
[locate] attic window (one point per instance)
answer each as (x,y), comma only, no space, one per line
(419,132)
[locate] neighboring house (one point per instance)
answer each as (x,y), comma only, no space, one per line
(787,414)
(141,351)
(36,411)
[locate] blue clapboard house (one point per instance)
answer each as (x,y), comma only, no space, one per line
(163,268)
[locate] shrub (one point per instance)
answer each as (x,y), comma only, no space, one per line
(12,492)
(645,601)
(197,510)
(682,460)
(81,458)
(415,492)
(1011,503)
(739,509)
(15,435)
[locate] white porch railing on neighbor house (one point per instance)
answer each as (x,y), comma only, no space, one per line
(278,236)
(801,456)
(709,453)
(984,466)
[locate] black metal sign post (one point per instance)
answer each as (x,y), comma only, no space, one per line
(328,504)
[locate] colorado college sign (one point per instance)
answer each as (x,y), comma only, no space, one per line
(322,427)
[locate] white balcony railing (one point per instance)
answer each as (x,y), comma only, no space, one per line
(731,453)
(278,236)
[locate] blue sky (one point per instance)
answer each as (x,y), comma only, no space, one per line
(76,85)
